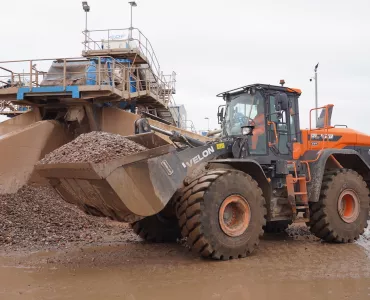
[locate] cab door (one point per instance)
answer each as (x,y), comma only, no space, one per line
(279,130)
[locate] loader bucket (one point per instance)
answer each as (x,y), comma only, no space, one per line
(125,189)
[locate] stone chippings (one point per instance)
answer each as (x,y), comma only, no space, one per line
(37,217)
(95,147)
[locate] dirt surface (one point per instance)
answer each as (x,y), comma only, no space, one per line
(283,267)
(49,249)
(38,218)
(96,146)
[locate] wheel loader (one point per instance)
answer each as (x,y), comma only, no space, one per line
(261,174)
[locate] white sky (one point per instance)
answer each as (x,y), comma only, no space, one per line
(219,45)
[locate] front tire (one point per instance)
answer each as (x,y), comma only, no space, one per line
(222,214)
(341,213)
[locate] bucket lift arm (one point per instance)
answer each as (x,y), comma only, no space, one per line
(142,125)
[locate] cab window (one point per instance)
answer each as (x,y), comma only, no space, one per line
(281,126)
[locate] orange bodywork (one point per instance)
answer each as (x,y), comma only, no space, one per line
(337,138)
(293,90)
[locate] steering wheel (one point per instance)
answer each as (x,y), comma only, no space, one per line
(244,120)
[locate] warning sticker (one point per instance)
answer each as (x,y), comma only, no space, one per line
(220,146)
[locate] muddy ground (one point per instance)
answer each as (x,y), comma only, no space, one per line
(284,267)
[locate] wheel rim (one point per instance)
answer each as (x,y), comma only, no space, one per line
(348,206)
(234,215)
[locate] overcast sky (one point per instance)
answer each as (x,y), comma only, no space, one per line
(219,45)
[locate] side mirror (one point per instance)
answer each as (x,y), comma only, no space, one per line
(220,114)
(282,102)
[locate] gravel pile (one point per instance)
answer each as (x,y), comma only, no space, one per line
(298,230)
(96,147)
(37,218)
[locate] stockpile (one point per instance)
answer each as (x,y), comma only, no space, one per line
(37,217)
(96,147)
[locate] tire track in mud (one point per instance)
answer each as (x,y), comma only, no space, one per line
(281,267)
(279,257)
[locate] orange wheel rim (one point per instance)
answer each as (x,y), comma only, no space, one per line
(348,206)
(234,215)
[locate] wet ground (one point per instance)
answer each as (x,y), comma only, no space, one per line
(284,267)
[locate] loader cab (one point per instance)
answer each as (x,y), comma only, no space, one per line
(271,110)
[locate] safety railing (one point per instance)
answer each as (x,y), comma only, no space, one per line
(105,71)
(127,38)
(7,107)
(133,38)
(320,134)
(122,38)
(62,72)
(18,79)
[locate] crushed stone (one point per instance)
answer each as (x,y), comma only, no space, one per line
(95,147)
(37,217)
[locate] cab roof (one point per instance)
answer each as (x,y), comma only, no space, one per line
(261,86)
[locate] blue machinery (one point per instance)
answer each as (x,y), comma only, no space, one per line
(127,77)
(91,72)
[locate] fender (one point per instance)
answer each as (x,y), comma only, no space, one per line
(348,158)
(250,167)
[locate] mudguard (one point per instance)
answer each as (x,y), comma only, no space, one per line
(348,158)
(251,167)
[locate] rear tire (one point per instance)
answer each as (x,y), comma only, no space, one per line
(222,214)
(277,226)
(158,229)
(341,213)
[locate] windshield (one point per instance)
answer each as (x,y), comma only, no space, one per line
(241,110)
(246,109)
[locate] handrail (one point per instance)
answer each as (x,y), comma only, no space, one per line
(145,46)
(25,74)
(168,81)
(8,107)
(326,125)
(131,30)
(275,132)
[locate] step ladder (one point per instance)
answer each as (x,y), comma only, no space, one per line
(297,193)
